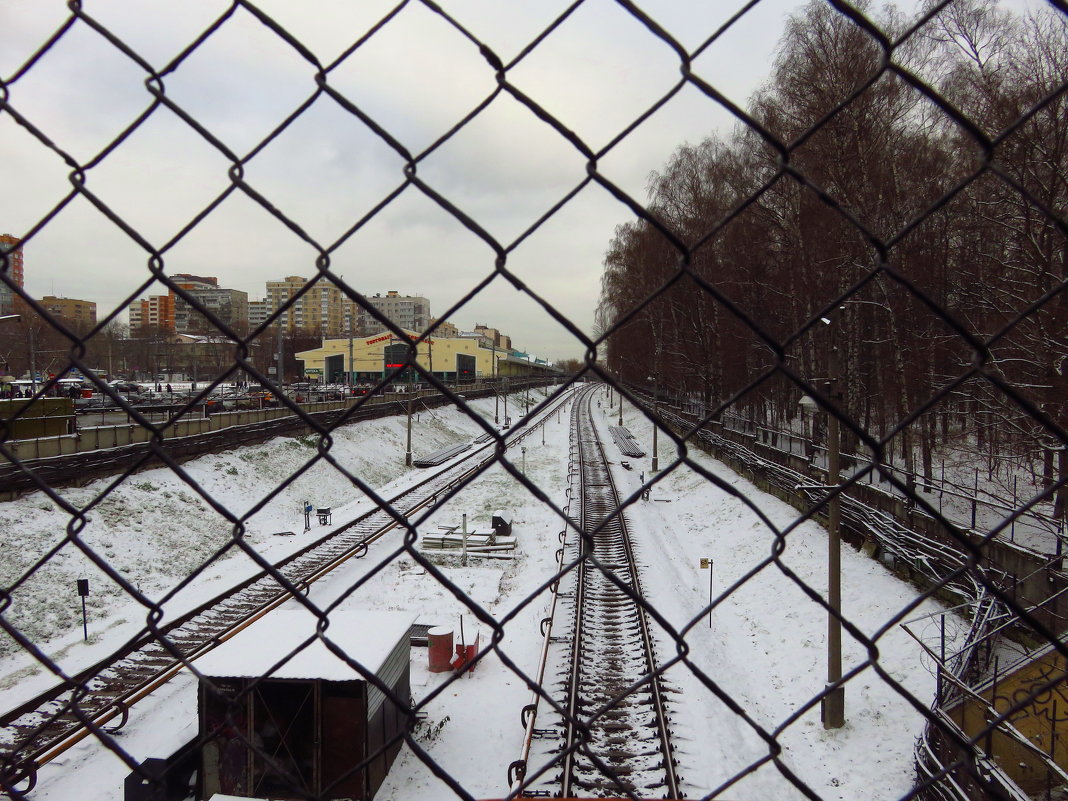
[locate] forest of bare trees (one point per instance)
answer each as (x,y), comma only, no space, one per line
(893,217)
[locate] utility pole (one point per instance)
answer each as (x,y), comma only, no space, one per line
(834,702)
(33,359)
(279,373)
(408,452)
(656,417)
(351,371)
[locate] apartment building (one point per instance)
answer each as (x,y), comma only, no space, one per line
(228,306)
(172,314)
(494,337)
(405,311)
(445,329)
(10,245)
(258,311)
(80,314)
(318,311)
(154,313)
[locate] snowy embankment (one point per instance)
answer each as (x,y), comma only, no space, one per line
(765,647)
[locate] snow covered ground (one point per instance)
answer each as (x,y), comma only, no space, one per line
(764,648)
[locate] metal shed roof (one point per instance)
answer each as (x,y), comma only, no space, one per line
(366,636)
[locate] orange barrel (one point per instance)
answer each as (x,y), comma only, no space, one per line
(439,645)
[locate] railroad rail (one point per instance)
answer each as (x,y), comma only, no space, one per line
(625,441)
(100,697)
(614,723)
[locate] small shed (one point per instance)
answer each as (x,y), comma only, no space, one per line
(304,728)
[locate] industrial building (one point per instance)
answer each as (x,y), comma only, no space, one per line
(372,358)
(367,359)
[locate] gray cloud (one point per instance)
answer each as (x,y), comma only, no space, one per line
(417,78)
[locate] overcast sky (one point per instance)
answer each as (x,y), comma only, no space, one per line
(416,78)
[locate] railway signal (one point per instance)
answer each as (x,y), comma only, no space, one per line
(83,591)
(709,565)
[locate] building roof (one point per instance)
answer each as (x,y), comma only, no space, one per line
(366,636)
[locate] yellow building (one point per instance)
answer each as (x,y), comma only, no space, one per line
(371,358)
(80,312)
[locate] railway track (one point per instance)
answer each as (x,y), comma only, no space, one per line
(615,731)
(100,697)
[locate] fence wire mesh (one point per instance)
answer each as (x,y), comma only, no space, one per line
(882,238)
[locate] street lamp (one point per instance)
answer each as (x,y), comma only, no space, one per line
(833,705)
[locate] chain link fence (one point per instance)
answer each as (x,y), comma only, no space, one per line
(884,234)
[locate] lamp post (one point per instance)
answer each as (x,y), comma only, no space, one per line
(832,707)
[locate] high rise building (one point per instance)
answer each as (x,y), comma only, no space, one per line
(13,270)
(80,313)
(258,310)
(405,311)
(171,313)
(187,281)
(228,306)
(154,313)
(319,311)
